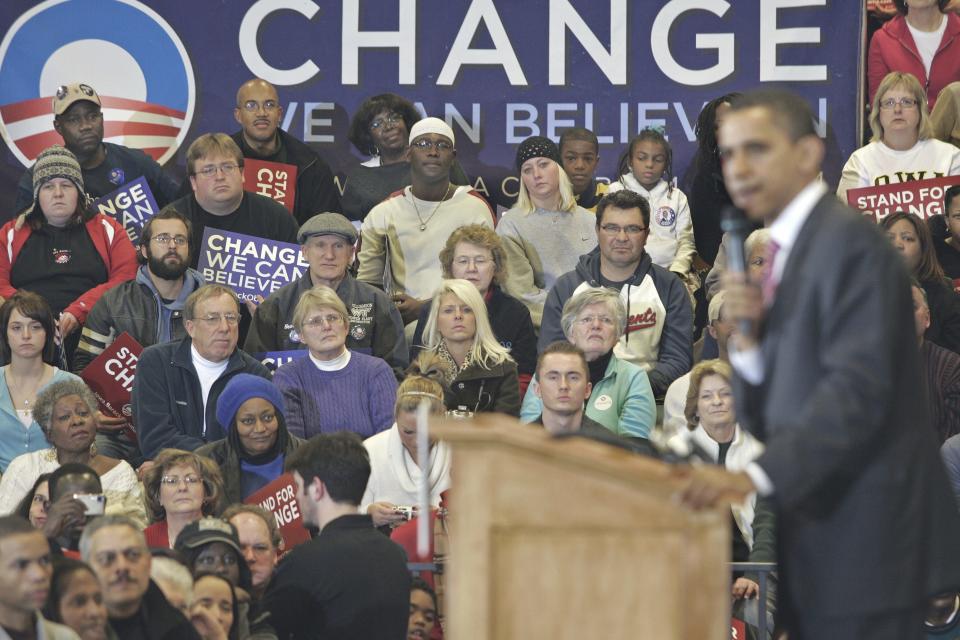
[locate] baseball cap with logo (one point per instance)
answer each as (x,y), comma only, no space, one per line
(68,94)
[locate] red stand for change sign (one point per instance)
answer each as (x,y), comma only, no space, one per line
(110,377)
(923,198)
(280,498)
(272,179)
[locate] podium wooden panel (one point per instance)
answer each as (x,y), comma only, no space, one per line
(569,538)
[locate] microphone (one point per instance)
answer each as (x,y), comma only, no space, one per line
(734,223)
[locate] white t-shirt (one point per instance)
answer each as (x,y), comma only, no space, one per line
(208,372)
(928,42)
(878,164)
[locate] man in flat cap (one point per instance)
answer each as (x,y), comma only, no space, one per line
(327,243)
(78,118)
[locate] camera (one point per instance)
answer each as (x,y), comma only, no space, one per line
(409,513)
(94,503)
(460,413)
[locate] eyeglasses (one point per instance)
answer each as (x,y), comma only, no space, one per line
(478,263)
(227,168)
(440,145)
(392,118)
(166,238)
(90,118)
(173,481)
(630,229)
(331,320)
(214,319)
(267,105)
(906,103)
(586,321)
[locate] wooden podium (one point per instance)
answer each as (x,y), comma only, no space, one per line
(569,538)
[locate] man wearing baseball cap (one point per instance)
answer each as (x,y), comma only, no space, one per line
(405,233)
(78,118)
(327,243)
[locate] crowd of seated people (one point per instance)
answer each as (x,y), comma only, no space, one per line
(575,310)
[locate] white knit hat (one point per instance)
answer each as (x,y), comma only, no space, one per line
(431,125)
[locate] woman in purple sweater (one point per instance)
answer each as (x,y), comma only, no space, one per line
(333,388)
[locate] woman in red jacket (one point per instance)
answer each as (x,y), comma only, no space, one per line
(60,248)
(923,40)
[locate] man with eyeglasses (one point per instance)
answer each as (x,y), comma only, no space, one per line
(659,332)
(78,118)
(215,167)
(403,235)
(116,550)
(258,112)
(178,383)
(327,242)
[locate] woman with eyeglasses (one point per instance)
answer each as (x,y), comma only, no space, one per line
(903,147)
(181,487)
(331,388)
(251,456)
(27,334)
(475,253)
(61,248)
(621,398)
(66,412)
(546,232)
(380,128)
(480,374)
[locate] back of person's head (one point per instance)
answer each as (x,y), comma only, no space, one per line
(426,378)
(34,308)
(563,347)
(787,109)
(339,460)
(697,374)
(174,579)
(69,476)
(905,82)
(623,199)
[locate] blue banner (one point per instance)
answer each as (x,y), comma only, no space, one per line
(131,205)
(497,70)
(251,266)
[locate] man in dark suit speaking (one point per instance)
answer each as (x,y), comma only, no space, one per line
(828,377)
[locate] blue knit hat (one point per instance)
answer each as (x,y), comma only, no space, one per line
(241,388)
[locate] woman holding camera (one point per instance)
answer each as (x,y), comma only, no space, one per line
(66,411)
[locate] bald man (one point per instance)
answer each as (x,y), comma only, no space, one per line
(258,112)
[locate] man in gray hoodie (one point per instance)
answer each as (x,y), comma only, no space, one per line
(659,332)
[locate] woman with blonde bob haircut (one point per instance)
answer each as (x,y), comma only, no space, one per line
(395,474)
(903,146)
(331,388)
(482,375)
(475,253)
(181,487)
(545,234)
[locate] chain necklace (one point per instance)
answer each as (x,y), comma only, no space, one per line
(423,223)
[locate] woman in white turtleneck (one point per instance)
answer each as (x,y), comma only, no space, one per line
(333,388)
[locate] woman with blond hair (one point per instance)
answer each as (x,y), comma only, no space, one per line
(903,146)
(481,374)
(179,488)
(332,388)
(546,232)
(395,474)
(475,253)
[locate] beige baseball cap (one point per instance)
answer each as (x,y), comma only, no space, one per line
(68,94)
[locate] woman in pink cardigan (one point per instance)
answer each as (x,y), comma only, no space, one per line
(61,249)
